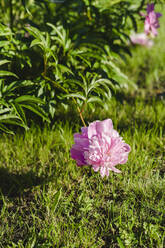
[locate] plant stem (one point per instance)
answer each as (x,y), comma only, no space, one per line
(45,62)
(81,117)
(11,14)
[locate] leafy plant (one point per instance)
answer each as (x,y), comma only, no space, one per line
(13,105)
(87,73)
(68,51)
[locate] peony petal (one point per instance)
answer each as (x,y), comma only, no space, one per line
(158,14)
(92,129)
(96,168)
(142,38)
(150,7)
(82,142)
(115,170)
(103,171)
(77,155)
(147,25)
(84,131)
(154,31)
(127,148)
(105,126)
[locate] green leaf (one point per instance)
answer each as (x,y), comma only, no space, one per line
(104,81)
(5,129)
(11,119)
(63,69)
(36,42)
(18,109)
(29,99)
(37,110)
(4,43)
(134,23)
(4,61)
(76,95)
(24,4)
(95,99)
(5,110)
(4,30)
(36,33)
(17,84)
(75,81)
(57,197)
(7,73)
(59,33)
(14,122)
(116,69)
(120,243)
(7,117)
(11,87)
(81,56)
(48,41)
(57,85)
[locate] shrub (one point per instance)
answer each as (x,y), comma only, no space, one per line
(54,52)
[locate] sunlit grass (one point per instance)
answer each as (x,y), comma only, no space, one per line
(47,201)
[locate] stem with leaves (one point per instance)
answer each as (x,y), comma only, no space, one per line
(66,91)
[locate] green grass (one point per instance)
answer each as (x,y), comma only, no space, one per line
(47,201)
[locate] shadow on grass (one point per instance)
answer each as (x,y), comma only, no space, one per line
(13,184)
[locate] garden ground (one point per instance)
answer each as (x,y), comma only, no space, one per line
(47,201)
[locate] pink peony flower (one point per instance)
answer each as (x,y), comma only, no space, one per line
(151,23)
(141,39)
(100,146)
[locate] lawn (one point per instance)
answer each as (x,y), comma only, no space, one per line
(47,201)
